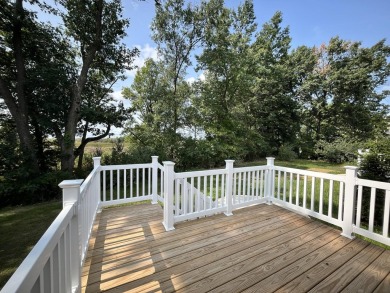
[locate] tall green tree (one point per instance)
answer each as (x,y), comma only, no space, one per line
(226,60)
(176,29)
(340,96)
(274,108)
(97,27)
(45,73)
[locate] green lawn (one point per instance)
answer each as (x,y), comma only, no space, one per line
(20,230)
(317,166)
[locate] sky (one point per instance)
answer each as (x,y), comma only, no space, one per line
(311,23)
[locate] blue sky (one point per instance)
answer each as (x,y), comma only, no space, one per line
(311,23)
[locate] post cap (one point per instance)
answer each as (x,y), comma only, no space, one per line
(168,163)
(351,167)
(71,183)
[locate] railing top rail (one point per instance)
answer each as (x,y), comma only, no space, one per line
(372,183)
(339,177)
(88,180)
(248,169)
(129,166)
(200,173)
(27,273)
(161,167)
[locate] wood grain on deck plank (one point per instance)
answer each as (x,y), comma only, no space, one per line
(259,247)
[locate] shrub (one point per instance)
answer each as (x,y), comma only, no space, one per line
(287,153)
(338,151)
(375,167)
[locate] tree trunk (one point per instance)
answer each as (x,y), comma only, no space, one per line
(18,107)
(67,147)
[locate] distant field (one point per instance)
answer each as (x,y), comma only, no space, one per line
(105,145)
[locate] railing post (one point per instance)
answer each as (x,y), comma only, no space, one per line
(169,178)
(270,180)
(154,179)
(97,184)
(349,200)
(229,189)
(71,194)
(96,162)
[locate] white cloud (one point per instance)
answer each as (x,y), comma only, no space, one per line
(192,79)
(118,97)
(146,52)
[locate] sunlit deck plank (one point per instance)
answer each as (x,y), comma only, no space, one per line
(258,247)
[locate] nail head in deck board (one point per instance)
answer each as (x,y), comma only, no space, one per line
(167,258)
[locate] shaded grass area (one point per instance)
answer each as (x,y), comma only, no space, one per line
(20,230)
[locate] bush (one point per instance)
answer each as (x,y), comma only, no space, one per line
(287,153)
(338,151)
(19,191)
(375,167)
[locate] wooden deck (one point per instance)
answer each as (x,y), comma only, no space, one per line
(259,249)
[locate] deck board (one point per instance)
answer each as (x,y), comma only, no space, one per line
(261,248)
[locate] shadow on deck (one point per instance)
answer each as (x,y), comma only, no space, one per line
(259,249)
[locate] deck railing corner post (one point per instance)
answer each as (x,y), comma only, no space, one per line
(229,187)
(349,201)
(270,180)
(97,181)
(71,196)
(96,162)
(169,178)
(154,179)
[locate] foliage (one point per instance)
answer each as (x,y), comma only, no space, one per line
(375,167)
(339,151)
(287,153)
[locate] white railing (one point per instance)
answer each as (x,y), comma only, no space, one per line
(55,262)
(122,184)
(315,194)
(355,205)
(54,265)
(372,210)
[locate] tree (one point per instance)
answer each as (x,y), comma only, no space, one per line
(99,112)
(44,80)
(147,99)
(15,25)
(223,96)
(97,28)
(339,95)
(274,108)
(176,29)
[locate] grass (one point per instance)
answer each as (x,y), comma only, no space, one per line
(105,145)
(20,230)
(316,166)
